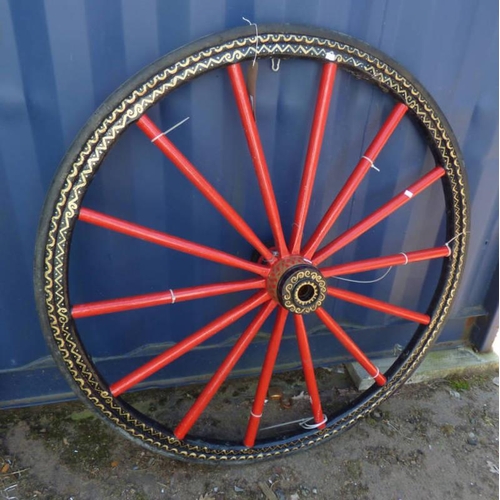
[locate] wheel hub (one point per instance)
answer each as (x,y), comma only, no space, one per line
(297,285)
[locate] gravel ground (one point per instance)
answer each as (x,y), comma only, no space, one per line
(436,440)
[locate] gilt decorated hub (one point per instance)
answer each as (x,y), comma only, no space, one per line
(293,281)
(296,285)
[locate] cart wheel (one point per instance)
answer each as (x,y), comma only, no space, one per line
(292,281)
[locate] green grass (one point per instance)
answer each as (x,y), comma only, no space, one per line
(459,384)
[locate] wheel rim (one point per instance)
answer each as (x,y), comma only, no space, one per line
(54,303)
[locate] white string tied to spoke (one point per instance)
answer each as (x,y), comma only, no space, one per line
(256,38)
(303,422)
(407,260)
(172,294)
(170,129)
(305,425)
(364,281)
(376,374)
(447,244)
(372,165)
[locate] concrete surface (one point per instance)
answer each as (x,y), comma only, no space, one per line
(437,364)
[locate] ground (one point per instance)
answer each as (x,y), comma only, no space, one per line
(435,440)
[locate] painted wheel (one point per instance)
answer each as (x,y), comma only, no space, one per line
(294,283)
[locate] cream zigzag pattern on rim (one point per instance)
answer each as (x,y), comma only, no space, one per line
(130,109)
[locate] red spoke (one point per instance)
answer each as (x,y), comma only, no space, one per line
(379,215)
(265,377)
(308,369)
(313,152)
(162,298)
(195,177)
(355,179)
(348,343)
(166,240)
(223,371)
(398,259)
(257,153)
(378,305)
(187,344)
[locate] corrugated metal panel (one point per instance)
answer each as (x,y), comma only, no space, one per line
(60,59)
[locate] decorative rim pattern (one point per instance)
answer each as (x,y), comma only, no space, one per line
(58,234)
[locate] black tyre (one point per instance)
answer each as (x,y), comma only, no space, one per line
(126,106)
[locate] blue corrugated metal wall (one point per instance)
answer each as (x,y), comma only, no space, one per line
(59,59)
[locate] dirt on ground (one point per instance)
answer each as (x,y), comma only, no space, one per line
(435,440)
